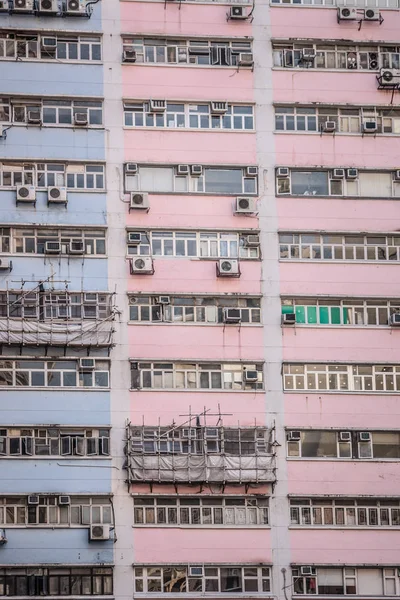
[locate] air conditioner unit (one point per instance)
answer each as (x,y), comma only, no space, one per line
(195,571)
(364,436)
(81,118)
(49,43)
(131,168)
(246,205)
(4,6)
(238,12)
(294,436)
(57,195)
(87,364)
(75,8)
(5,264)
(338,174)
(329,126)
(252,171)
(345,436)
(289,319)
(33,499)
(163,300)
(64,500)
(346,13)
(246,59)
(395,320)
(26,193)
(140,201)
(283,171)
(232,315)
(23,5)
(34,117)
(389,77)
(182,170)
(228,268)
(52,248)
(306,570)
(372,14)
(250,376)
(134,237)
(99,533)
(251,241)
(219,108)
(49,7)
(351,173)
(142,265)
(369,126)
(76,247)
(129,55)
(196,170)
(158,105)
(308,54)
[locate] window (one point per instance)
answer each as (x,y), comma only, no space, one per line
(54,442)
(348,120)
(63,373)
(341,378)
(43,175)
(56,581)
(190,116)
(337,246)
(345,512)
(204,376)
(49,46)
(49,512)
(347,444)
(336,56)
(199,440)
(194,244)
(345,581)
(326,312)
(248,511)
(212,579)
(213,180)
(191,310)
(33,241)
(181,52)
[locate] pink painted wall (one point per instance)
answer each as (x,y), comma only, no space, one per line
(313,214)
(191,211)
(359,410)
(348,343)
(190,147)
(292,85)
(327,546)
(187,83)
(186,275)
(319,23)
(231,342)
(202,545)
(239,408)
(345,477)
(341,279)
(337,151)
(176,19)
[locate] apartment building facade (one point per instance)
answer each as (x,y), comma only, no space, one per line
(198,299)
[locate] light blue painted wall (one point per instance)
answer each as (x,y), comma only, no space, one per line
(33,407)
(81,273)
(54,546)
(83,209)
(53,143)
(59,475)
(51,78)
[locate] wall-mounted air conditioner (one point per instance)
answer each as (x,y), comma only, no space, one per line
(228,268)
(99,533)
(246,205)
(26,193)
(142,265)
(139,201)
(57,195)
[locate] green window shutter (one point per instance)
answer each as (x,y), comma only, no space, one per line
(335,312)
(324,315)
(300,314)
(311,314)
(287,309)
